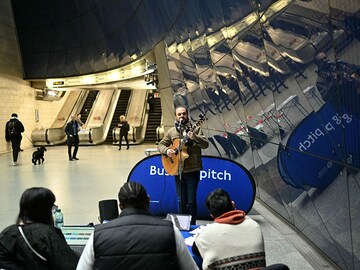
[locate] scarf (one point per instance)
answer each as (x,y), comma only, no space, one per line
(231,217)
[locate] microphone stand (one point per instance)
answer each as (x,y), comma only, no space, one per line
(180,169)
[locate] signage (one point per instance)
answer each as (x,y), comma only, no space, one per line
(319,148)
(58,83)
(217,173)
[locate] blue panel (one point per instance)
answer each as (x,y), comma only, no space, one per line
(318,144)
(217,173)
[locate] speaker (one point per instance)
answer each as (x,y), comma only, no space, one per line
(108,210)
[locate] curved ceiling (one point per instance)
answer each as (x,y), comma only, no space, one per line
(78,37)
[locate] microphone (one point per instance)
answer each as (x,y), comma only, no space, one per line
(179,123)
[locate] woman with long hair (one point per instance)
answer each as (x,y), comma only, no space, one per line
(33,242)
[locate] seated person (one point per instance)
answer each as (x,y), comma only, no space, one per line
(233,241)
(136,239)
(33,242)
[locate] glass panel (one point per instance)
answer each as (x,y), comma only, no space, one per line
(291,123)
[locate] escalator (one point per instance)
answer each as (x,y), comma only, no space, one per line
(55,134)
(85,111)
(120,109)
(154,121)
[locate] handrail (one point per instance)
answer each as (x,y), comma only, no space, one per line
(90,135)
(106,114)
(145,106)
(92,107)
(114,134)
(137,129)
(142,126)
(99,124)
(47,136)
(55,134)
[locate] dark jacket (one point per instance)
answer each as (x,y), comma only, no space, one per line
(135,240)
(151,98)
(193,162)
(19,127)
(69,129)
(47,240)
(125,127)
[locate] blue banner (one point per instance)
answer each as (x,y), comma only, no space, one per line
(319,147)
(217,173)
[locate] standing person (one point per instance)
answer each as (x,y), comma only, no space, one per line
(72,132)
(233,85)
(233,241)
(243,79)
(33,242)
(151,100)
(256,78)
(13,130)
(187,181)
(136,239)
(210,91)
(124,130)
(221,92)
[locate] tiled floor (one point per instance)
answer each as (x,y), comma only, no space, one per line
(98,175)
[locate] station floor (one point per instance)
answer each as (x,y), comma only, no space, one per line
(98,175)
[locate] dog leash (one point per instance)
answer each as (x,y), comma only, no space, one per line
(28,139)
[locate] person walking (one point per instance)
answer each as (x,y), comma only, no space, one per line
(124,130)
(72,132)
(13,130)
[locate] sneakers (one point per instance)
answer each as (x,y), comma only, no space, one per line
(15,163)
(75,158)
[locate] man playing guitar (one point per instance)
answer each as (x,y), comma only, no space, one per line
(181,147)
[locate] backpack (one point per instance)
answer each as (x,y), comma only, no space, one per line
(12,129)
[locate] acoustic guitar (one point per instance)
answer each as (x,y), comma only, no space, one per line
(171,164)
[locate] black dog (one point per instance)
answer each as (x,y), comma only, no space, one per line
(38,155)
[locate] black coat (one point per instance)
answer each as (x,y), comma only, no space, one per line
(69,130)
(151,98)
(124,128)
(19,127)
(135,240)
(47,240)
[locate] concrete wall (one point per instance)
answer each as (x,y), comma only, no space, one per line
(16,95)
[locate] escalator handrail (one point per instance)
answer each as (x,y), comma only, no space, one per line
(47,136)
(90,135)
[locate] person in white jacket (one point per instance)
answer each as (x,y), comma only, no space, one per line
(233,241)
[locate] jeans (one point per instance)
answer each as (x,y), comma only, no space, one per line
(186,188)
(15,145)
(125,135)
(73,141)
